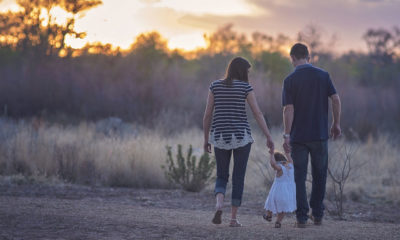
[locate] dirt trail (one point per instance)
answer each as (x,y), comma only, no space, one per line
(70,212)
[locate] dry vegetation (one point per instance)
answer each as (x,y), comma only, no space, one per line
(114,153)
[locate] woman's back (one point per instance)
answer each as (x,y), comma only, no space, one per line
(230,128)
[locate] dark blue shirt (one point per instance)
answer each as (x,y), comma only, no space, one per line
(308,88)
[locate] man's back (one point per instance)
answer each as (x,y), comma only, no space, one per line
(308,89)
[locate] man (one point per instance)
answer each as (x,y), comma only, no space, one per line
(305,98)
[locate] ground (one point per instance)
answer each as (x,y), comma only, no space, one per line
(37,211)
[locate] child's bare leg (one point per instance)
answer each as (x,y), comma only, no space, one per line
(280,217)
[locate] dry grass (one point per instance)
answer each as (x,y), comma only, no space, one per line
(113,153)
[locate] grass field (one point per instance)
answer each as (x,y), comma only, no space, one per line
(114,153)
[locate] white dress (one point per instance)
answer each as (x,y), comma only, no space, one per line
(282,195)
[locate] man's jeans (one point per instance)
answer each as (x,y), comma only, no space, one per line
(319,166)
(240,158)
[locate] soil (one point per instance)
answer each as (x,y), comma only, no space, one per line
(63,211)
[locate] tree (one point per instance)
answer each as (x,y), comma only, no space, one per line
(383,44)
(33,29)
(312,36)
(225,41)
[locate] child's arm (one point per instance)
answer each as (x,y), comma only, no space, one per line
(289,158)
(273,163)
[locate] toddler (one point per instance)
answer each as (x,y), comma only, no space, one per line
(282,195)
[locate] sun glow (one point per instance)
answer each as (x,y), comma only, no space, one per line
(220,7)
(187,42)
(59,16)
(119,22)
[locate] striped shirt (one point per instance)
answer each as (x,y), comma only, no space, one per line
(230,128)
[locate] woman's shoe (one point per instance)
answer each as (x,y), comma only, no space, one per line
(217,217)
(235,223)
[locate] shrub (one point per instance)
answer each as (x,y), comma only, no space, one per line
(185,172)
(342,166)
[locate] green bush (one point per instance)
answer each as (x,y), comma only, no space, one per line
(185,172)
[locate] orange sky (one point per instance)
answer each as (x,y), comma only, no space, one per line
(183,22)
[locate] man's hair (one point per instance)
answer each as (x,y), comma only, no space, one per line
(299,51)
(279,157)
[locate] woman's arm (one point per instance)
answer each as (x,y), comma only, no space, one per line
(207,121)
(251,99)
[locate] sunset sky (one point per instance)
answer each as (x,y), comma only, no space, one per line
(183,22)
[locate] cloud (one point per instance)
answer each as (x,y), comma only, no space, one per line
(150,1)
(348,19)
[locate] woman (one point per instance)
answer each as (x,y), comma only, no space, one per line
(230,132)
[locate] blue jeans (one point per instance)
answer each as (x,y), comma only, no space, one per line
(240,158)
(319,165)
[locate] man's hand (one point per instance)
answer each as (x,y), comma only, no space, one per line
(335,131)
(286,145)
(207,147)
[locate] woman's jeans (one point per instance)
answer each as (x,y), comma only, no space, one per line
(240,158)
(319,164)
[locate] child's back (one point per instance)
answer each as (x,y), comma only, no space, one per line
(282,195)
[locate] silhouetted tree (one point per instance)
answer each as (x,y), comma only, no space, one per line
(383,44)
(226,41)
(33,29)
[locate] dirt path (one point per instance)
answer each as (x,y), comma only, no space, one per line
(69,212)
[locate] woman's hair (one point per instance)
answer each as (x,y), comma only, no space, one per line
(279,157)
(237,69)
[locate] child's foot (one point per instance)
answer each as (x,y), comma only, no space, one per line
(267,217)
(277,225)
(235,223)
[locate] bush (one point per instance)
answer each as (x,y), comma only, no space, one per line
(185,172)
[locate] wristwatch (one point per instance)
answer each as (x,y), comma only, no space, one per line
(286,135)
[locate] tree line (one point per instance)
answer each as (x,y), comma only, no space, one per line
(42,76)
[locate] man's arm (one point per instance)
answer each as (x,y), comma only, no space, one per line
(336,110)
(288,114)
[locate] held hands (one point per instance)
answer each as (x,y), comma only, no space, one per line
(286,145)
(270,144)
(335,131)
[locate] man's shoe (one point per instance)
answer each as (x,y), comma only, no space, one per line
(316,220)
(300,224)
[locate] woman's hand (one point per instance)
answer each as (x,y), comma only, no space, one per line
(270,144)
(207,147)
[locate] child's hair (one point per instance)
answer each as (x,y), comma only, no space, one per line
(280,157)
